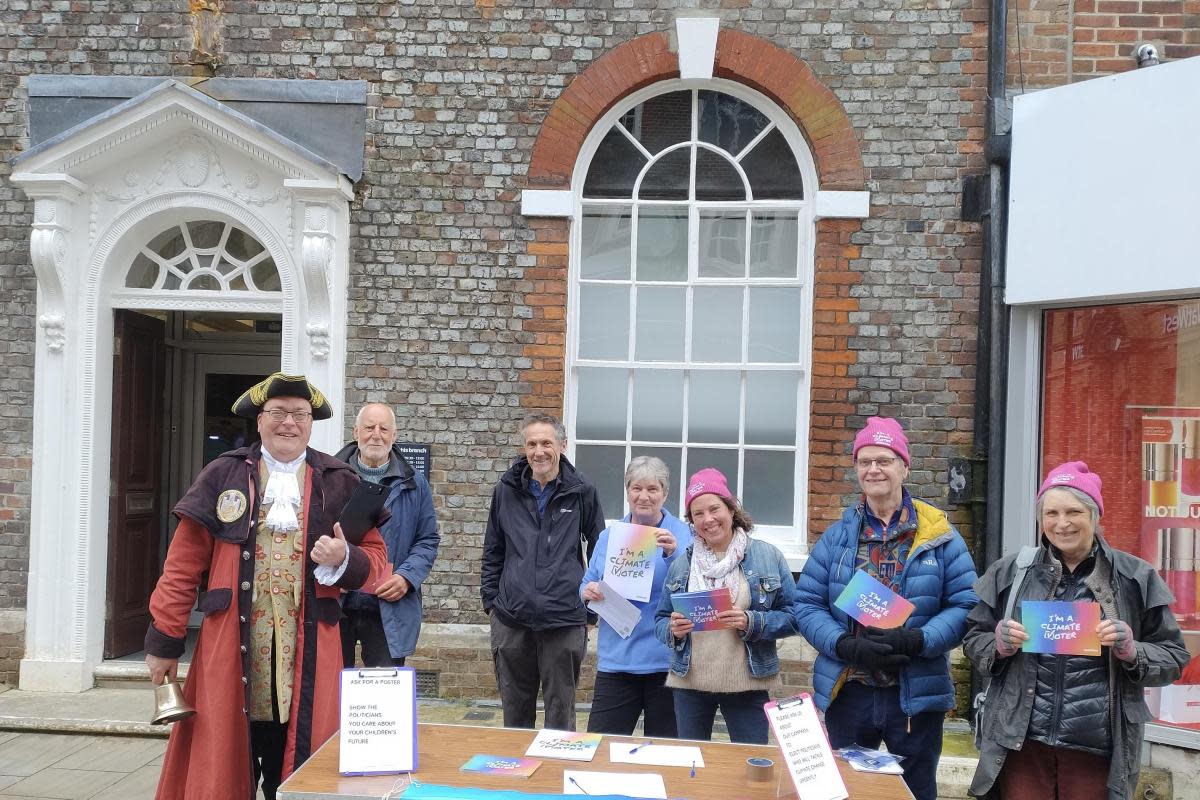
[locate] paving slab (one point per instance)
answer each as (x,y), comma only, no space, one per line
(64,784)
(137,785)
(114,754)
(32,752)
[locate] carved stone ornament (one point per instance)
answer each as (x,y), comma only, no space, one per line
(318,339)
(192,163)
(55,328)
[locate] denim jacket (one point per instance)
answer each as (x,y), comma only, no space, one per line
(772,608)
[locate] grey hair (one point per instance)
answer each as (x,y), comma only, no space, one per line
(560,432)
(1088,502)
(358,418)
(648,468)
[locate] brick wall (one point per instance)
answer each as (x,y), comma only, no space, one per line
(456,312)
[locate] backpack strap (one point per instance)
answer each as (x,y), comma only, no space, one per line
(1025,560)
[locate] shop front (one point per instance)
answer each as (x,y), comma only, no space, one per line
(1103,285)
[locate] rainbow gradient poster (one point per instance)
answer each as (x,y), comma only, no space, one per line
(1061,628)
(629,559)
(868,602)
(501,765)
(702,608)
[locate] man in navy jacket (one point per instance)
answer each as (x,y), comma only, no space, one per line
(387,620)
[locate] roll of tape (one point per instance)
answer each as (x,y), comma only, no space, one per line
(759,770)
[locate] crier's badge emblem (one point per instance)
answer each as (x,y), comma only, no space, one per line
(231,505)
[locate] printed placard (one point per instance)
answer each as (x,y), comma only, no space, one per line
(378,733)
(565,744)
(1061,628)
(511,766)
(868,602)
(629,560)
(702,608)
(806,748)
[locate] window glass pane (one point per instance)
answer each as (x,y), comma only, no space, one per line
(142,274)
(205,282)
(716,178)
(667,178)
(265,276)
(601,403)
(714,403)
(661,121)
(728,122)
(771,408)
(605,240)
(604,466)
(772,169)
(242,245)
(717,323)
(722,250)
(672,457)
(205,234)
(770,486)
(660,323)
(603,322)
(658,405)
(724,460)
(614,168)
(774,325)
(662,244)
(773,244)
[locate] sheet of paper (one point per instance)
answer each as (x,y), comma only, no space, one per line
(806,748)
(629,560)
(378,732)
(1060,627)
(660,755)
(630,784)
(570,745)
(869,602)
(702,608)
(614,609)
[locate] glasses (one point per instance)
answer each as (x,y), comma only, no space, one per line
(866,463)
(279,415)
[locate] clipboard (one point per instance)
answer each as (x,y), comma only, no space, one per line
(363,510)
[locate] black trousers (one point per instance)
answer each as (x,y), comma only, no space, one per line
(366,627)
(524,659)
(268,740)
(621,697)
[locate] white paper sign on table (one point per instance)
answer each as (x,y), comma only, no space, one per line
(629,559)
(660,755)
(378,733)
(618,612)
(630,784)
(806,749)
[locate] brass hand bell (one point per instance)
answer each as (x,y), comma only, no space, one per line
(169,705)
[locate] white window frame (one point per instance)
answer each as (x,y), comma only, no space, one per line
(792,539)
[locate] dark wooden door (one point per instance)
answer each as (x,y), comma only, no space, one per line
(134,535)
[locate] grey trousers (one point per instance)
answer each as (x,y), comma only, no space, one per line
(523,658)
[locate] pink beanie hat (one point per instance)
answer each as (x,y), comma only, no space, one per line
(1074,475)
(883,432)
(706,481)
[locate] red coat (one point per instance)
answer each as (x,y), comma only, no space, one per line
(208,756)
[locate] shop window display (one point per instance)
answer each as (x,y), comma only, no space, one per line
(1121,391)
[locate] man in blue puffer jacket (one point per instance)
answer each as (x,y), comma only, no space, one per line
(888,685)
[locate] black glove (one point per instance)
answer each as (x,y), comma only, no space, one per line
(864,653)
(905,641)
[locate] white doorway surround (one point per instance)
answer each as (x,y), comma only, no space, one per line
(102,191)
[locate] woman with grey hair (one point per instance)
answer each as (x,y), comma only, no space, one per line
(1069,726)
(631,673)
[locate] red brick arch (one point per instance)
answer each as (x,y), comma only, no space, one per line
(790,84)
(742,58)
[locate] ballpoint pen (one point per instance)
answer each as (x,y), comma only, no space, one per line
(693,770)
(577,786)
(633,750)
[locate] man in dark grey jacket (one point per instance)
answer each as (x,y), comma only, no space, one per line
(544,521)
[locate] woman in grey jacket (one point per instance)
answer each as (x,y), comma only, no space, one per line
(1070,726)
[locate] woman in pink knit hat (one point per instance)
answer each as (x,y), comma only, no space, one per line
(733,666)
(1069,726)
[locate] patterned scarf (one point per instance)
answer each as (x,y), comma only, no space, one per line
(710,572)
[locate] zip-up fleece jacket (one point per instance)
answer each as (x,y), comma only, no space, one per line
(532,568)
(937,580)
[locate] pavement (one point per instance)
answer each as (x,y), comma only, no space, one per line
(98,745)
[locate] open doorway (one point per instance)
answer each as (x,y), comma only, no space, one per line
(176,376)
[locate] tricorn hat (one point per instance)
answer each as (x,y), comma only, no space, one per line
(251,403)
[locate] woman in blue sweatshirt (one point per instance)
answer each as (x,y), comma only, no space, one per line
(631,672)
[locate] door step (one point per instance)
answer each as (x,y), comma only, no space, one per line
(128,675)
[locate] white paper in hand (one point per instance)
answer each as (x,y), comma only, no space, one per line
(618,612)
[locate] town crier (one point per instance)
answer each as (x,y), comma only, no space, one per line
(260,523)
